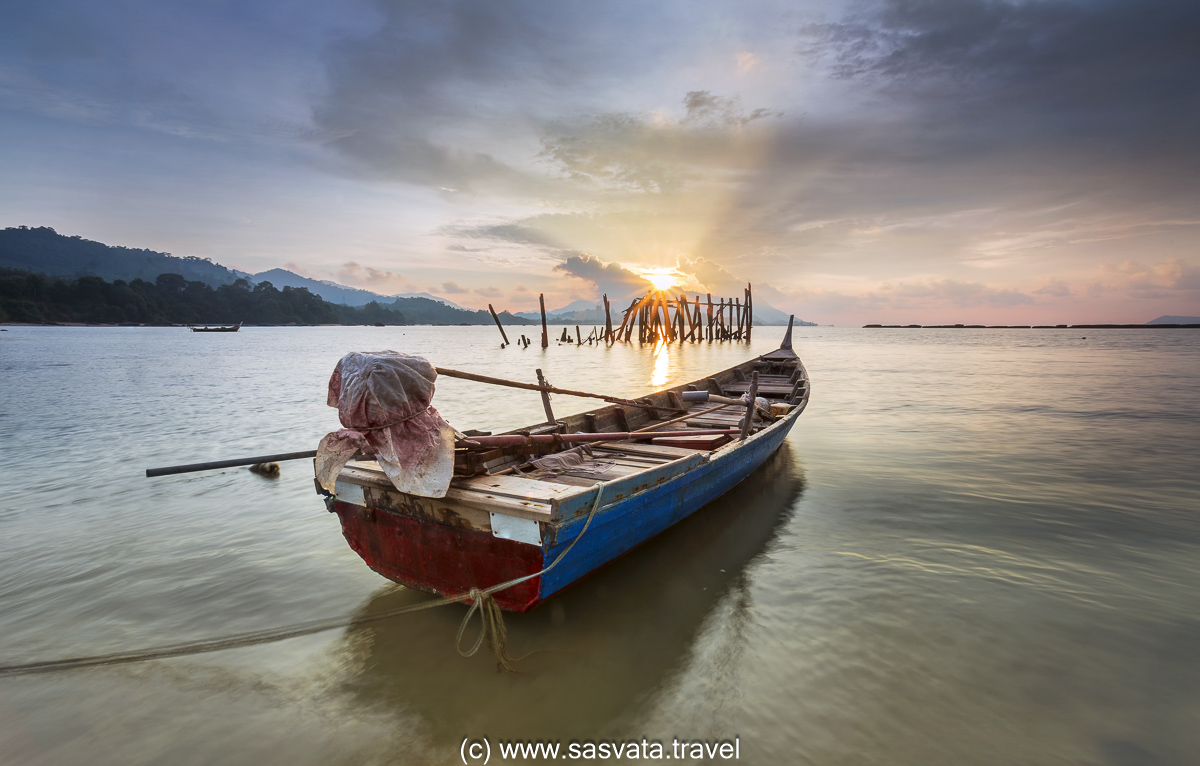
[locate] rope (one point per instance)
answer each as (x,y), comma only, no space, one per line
(493,628)
(404,419)
(492,619)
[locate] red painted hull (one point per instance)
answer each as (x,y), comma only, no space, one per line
(441,559)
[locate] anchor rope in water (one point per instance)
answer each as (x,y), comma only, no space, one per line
(492,620)
(493,631)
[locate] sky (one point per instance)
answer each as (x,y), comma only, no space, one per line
(893,161)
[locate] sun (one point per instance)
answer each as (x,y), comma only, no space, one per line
(662,278)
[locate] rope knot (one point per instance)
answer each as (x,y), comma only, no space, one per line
(492,629)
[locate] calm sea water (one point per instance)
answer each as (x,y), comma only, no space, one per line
(977,547)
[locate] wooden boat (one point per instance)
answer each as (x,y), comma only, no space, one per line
(217,328)
(500,521)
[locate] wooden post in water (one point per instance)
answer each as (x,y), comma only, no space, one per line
(667,327)
(545,332)
(749,311)
(738,317)
(710,316)
(546,397)
(626,323)
(502,335)
(578,336)
(607,321)
(686,310)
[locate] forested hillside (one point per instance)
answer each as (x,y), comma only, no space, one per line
(171,299)
(45,251)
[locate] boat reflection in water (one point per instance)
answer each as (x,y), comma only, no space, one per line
(603,646)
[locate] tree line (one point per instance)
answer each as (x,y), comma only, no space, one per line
(172,299)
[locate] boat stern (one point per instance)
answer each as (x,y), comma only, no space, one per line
(430,546)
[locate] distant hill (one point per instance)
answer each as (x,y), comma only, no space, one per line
(575,312)
(335,293)
(767,315)
(330,291)
(432,311)
(171,299)
(45,251)
(1167,319)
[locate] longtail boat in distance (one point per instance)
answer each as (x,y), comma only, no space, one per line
(539,508)
(217,328)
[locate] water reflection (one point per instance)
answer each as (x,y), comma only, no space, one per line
(662,363)
(605,645)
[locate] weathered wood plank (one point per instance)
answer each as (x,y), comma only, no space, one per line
(539,510)
(709,442)
(509,486)
(776,390)
(526,509)
(644,449)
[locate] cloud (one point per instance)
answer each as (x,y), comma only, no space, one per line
(712,276)
(518,233)
(1098,77)
(948,292)
(609,278)
(439,93)
(489,292)
(1055,288)
(370,278)
(653,153)
(452,288)
(1170,279)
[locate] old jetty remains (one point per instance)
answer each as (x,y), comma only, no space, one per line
(658,316)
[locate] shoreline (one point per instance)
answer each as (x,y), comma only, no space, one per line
(1029,327)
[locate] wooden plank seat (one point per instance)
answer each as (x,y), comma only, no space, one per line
(737,389)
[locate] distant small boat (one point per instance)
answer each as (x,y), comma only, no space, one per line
(218,328)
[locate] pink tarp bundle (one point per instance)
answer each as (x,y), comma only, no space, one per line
(383,400)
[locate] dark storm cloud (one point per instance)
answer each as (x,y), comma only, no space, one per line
(1111,76)
(612,279)
(209,71)
(430,95)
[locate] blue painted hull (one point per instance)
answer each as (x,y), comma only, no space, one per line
(623,523)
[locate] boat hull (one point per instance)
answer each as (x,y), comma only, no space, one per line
(441,559)
(450,560)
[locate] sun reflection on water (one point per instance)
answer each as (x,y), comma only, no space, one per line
(662,362)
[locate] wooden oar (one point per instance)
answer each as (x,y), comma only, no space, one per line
(519,440)
(545,389)
(213,464)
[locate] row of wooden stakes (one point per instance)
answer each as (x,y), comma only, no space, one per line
(658,317)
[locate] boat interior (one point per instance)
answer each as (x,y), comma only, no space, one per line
(528,481)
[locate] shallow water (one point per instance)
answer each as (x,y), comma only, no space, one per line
(977,547)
